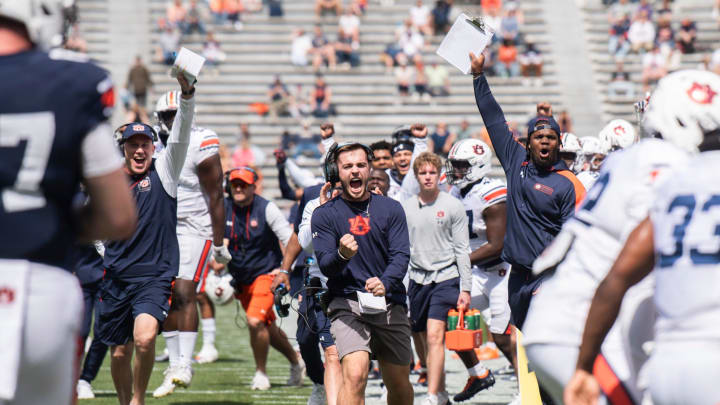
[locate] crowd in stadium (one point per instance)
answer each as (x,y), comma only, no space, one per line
(400,251)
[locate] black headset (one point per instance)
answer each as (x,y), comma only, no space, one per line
(117,134)
(227,176)
(330,168)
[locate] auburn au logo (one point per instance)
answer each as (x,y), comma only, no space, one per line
(359,225)
(701,93)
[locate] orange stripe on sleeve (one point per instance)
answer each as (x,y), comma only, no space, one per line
(495,194)
(210,142)
(609,383)
(579,188)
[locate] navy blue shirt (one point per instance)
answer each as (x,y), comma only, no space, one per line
(152,251)
(47,108)
(380,230)
(254,247)
(87,264)
(539,201)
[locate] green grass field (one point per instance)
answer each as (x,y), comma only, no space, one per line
(225,382)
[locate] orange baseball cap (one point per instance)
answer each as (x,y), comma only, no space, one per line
(245,174)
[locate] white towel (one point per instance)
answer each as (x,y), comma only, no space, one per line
(14,275)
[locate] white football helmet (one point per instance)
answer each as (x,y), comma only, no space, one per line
(594,151)
(570,143)
(42,18)
(684,107)
(618,134)
(218,288)
(469,161)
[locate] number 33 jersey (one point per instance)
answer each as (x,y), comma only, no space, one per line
(686,231)
(53,132)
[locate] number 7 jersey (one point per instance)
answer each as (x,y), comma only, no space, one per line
(686,230)
(53,132)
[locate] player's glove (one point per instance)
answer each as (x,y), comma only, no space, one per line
(221,254)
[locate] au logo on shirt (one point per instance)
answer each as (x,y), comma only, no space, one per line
(359,225)
(144,185)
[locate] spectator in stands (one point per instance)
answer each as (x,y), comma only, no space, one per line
(493,18)
(350,24)
(564,121)
(389,55)
(211,50)
(531,64)
(301,46)
(299,103)
(464,131)
(664,14)
(175,14)
(441,140)
(217,9)
(279,98)
(642,33)
(441,16)
(438,80)
(646,8)
(410,40)
(686,36)
(323,6)
(321,99)
(620,83)
(245,153)
(139,82)
(168,44)
(507,63)
(194,19)
(307,146)
(716,11)
(666,43)
(654,67)
(510,24)
(359,6)
(489,6)
(233,10)
(403,77)
(620,10)
(618,45)
(322,51)
(421,83)
(421,18)
(346,50)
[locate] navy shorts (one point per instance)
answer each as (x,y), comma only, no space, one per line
(313,320)
(522,285)
(121,302)
(432,301)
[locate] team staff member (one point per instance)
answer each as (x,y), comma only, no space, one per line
(53,121)
(139,270)
(200,230)
(542,192)
(440,277)
(361,242)
(254,227)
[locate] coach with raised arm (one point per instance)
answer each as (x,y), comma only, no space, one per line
(362,246)
(542,192)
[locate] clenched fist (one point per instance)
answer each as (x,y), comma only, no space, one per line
(419,130)
(375,286)
(348,246)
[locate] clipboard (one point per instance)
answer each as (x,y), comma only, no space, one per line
(466,35)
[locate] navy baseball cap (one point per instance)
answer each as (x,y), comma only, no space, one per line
(541,122)
(402,145)
(138,128)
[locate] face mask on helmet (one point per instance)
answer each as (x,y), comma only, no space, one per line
(456,170)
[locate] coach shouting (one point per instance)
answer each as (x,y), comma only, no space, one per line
(362,245)
(542,192)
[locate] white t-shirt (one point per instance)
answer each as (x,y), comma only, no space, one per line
(419,15)
(349,23)
(192,203)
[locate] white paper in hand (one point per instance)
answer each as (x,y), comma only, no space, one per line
(465,36)
(370,304)
(188,62)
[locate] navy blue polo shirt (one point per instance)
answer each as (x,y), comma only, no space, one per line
(539,200)
(380,229)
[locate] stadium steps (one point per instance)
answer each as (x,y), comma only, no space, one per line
(597,34)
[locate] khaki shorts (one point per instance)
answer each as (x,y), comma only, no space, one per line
(385,335)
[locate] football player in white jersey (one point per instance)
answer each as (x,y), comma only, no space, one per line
(618,134)
(469,161)
(594,151)
(570,150)
(679,239)
(200,230)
